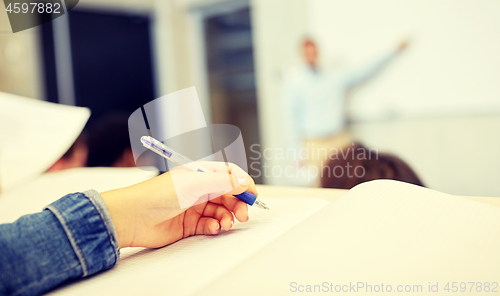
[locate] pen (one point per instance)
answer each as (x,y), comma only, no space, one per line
(179,159)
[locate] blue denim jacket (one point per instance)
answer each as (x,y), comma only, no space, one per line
(72,237)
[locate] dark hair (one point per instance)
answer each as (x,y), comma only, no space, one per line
(80,141)
(366,165)
(108,138)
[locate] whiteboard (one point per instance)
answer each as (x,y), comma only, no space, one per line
(451,67)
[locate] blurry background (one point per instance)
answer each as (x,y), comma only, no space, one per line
(437,107)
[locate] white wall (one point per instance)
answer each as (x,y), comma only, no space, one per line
(454,155)
(278,27)
(452,65)
(19,60)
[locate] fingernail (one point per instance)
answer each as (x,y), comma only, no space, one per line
(218,225)
(232,223)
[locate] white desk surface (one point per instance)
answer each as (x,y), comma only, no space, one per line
(268,191)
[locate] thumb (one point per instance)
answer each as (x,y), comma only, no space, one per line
(220,183)
(193,185)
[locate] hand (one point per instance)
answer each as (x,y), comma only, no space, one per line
(403,45)
(148,214)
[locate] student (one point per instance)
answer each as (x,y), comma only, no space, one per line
(356,164)
(75,157)
(82,233)
(110,128)
(93,149)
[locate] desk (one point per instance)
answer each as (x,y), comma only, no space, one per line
(268,191)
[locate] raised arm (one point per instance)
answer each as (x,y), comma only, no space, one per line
(360,76)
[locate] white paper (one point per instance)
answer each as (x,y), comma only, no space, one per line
(181,268)
(33,135)
(380,232)
(33,196)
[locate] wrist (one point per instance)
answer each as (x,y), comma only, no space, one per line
(119,207)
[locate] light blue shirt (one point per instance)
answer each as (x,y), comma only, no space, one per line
(313,101)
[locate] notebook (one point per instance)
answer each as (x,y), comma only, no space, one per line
(380,234)
(189,264)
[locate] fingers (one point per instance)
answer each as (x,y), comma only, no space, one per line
(226,180)
(240,211)
(207,183)
(250,186)
(220,183)
(233,204)
(220,213)
(217,217)
(207,226)
(228,167)
(238,177)
(220,167)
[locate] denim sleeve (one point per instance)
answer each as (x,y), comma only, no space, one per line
(72,237)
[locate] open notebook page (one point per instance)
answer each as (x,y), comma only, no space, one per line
(183,267)
(381,232)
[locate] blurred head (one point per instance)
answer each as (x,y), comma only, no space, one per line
(310,52)
(108,142)
(357,164)
(75,157)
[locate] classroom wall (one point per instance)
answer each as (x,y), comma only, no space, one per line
(437,105)
(19,60)
(432,142)
(435,119)
(455,155)
(450,68)
(279,26)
